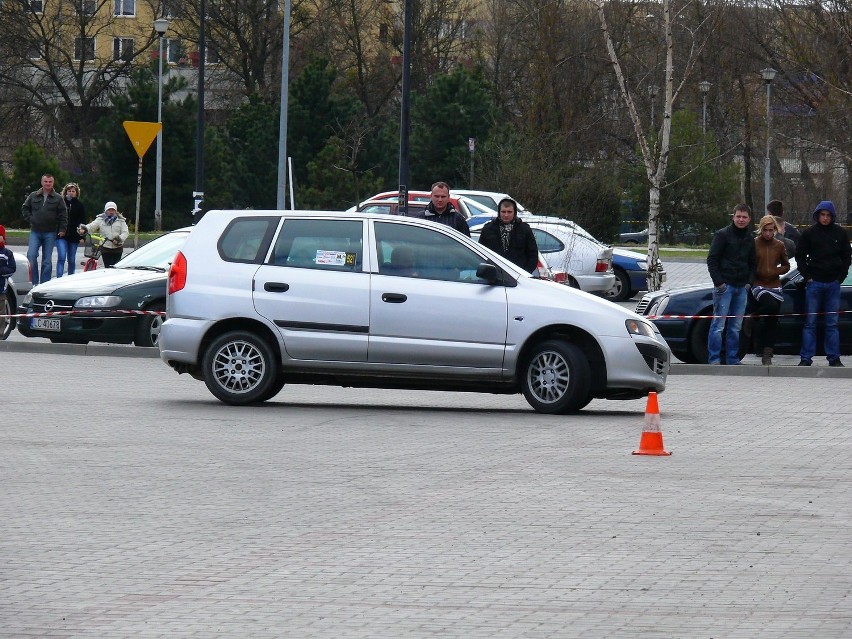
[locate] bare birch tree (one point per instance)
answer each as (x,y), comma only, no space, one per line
(654,145)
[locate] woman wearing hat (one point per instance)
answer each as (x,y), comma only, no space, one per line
(66,247)
(112,226)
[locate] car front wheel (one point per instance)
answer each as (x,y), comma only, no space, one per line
(240,368)
(557,378)
(148,327)
(7,324)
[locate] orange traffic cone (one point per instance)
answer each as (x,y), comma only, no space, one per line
(652,437)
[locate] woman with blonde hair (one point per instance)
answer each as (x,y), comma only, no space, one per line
(66,247)
(111,226)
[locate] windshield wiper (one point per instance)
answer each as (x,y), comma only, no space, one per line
(159,269)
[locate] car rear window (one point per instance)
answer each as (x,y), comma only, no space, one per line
(247,239)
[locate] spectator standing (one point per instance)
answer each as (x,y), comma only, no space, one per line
(45,212)
(441,210)
(66,247)
(731,263)
(789,245)
(771,263)
(112,226)
(511,237)
(776,209)
(823,257)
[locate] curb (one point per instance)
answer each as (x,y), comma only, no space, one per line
(93,350)
(743,370)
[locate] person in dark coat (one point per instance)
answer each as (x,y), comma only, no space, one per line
(776,209)
(441,210)
(66,247)
(731,262)
(823,256)
(511,237)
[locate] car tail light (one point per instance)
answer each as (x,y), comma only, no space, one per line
(602,266)
(560,276)
(177,274)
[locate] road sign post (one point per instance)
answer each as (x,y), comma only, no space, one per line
(141,135)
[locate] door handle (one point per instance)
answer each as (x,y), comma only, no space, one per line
(276,287)
(394,298)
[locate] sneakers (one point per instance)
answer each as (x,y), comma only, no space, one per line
(836,363)
(804,362)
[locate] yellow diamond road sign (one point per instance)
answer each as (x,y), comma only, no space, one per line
(141,134)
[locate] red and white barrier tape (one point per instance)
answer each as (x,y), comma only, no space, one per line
(752,315)
(94,311)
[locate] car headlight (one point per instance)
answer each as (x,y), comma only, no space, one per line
(98,301)
(28,298)
(638,327)
(642,264)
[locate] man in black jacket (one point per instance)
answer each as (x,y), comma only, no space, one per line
(511,237)
(731,262)
(441,210)
(823,256)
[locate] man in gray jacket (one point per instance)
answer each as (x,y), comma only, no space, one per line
(47,216)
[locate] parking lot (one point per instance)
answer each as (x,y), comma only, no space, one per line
(136,505)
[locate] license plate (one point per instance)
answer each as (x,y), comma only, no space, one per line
(45,324)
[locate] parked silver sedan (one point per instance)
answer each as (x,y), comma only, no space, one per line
(20,284)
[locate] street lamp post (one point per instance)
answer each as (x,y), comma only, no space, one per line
(768,75)
(653,92)
(161,25)
(198,193)
(704,87)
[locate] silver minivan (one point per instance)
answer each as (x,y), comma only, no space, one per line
(257,299)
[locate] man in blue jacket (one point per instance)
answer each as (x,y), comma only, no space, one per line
(731,262)
(823,256)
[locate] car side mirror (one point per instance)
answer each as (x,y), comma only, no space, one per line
(488,272)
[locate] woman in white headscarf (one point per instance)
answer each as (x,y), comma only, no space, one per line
(112,226)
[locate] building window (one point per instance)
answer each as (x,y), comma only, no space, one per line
(125,7)
(84,48)
(211,56)
(383,32)
(122,49)
(87,7)
(174,50)
(34,51)
(37,6)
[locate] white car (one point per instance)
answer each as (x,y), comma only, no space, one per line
(20,283)
(489,199)
(257,299)
(570,248)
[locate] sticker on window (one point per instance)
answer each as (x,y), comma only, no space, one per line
(335,258)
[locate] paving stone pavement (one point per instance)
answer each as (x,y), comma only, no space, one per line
(350,513)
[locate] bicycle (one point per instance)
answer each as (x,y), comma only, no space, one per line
(92,251)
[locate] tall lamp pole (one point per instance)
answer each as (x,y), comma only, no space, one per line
(768,75)
(404,106)
(653,92)
(198,193)
(704,87)
(161,25)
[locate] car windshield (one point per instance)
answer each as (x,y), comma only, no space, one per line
(159,252)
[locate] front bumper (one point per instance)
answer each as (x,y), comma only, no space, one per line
(81,329)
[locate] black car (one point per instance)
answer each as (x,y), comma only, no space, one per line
(681,314)
(103,302)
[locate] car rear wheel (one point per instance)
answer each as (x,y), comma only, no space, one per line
(148,327)
(7,324)
(557,378)
(240,368)
(620,290)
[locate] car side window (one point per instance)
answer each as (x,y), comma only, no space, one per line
(411,251)
(547,243)
(247,239)
(326,245)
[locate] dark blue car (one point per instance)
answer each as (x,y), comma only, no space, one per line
(631,274)
(685,320)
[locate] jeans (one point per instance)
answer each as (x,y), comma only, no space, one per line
(44,240)
(65,249)
(731,301)
(822,297)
